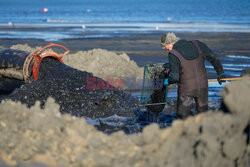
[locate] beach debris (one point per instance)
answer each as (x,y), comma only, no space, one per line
(45,10)
(11,24)
(169,18)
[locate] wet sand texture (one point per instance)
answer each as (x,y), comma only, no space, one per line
(45,136)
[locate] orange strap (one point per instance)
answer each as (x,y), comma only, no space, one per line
(53,44)
(39,55)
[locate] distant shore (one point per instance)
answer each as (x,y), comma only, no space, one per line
(145,48)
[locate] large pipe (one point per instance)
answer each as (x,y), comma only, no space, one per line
(68,86)
(18,65)
(15,64)
(15,68)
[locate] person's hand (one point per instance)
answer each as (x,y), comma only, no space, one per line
(166,81)
(220,77)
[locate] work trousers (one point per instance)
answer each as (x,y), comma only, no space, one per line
(185,101)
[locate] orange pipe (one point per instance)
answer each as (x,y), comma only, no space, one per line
(226,79)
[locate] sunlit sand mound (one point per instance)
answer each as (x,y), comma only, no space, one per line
(32,136)
(25,47)
(104,64)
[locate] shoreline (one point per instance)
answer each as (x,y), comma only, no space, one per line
(145,48)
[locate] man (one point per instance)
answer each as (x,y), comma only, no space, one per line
(187,68)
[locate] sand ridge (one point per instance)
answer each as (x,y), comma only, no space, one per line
(44,136)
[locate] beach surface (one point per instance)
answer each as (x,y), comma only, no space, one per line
(35,136)
(145,48)
(124,57)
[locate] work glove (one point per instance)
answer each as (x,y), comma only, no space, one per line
(220,77)
(166,81)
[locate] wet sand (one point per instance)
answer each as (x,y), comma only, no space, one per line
(145,48)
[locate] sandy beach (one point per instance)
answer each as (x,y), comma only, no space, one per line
(35,136)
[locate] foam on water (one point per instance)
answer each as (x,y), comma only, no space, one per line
(70,30)
(238,57)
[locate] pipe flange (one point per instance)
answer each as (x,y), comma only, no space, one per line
(27,67)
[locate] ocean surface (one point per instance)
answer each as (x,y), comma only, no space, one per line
(66,19)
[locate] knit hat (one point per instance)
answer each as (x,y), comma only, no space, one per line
(168,39)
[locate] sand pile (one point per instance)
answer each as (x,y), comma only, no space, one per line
(25,47)
(45,136)
(100,62)
(104,64)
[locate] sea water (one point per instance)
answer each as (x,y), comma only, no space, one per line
(106,18)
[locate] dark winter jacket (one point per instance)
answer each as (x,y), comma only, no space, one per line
(188,50)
